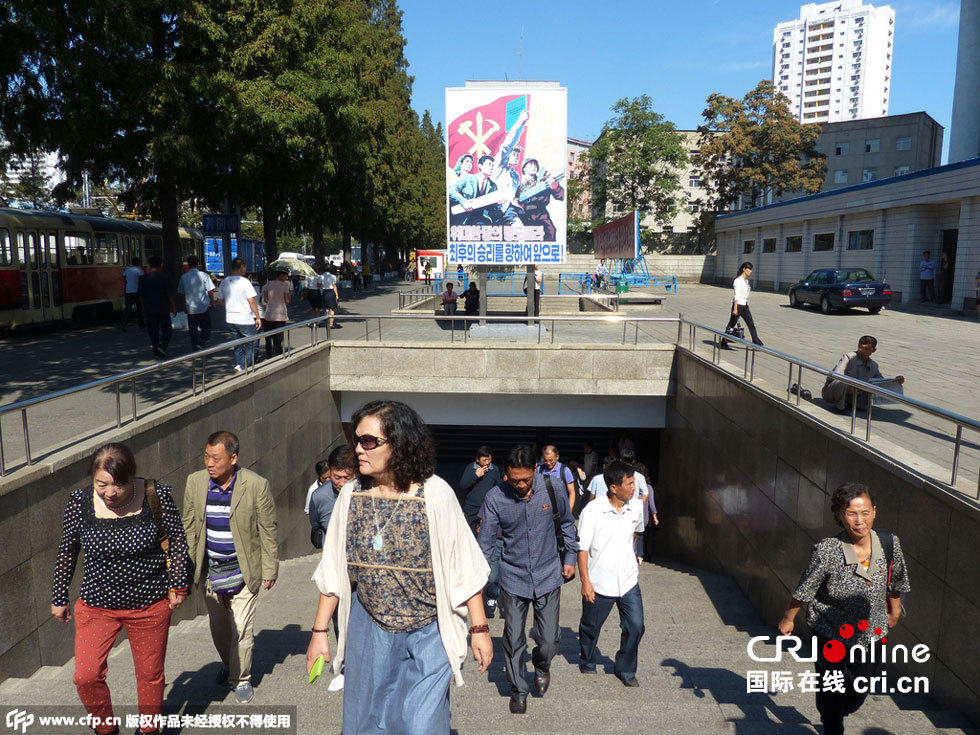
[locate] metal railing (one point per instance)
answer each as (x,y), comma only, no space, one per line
(198,364)
(583,283)
(799,365)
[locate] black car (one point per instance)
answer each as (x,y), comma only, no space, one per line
(841,288)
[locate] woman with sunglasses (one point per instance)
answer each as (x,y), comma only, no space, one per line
(399,534)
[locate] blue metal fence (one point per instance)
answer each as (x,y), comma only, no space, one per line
(498,283)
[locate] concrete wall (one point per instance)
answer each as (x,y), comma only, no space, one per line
(687,268)
(746,482)
(286,419)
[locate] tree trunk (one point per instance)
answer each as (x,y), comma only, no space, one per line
(169,222)
(269,221)
(346,241)
(319,251)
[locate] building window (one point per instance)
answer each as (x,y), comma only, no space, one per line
(903,144)
(902,170)
(748,246)
(869,174)
(860,239)
(794,243)
(823,241)
(769,245)
(872,145)
(694,182)
(694,207)
(841,149)
(840,176)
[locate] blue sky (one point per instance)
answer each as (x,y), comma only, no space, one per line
(676,52)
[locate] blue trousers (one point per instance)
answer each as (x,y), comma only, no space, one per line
(394,683)
(594,614)
(244,354)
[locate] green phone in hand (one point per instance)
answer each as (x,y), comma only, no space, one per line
(316,670)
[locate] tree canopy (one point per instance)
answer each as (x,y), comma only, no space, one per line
(634,163)
(753,146)
(299,109)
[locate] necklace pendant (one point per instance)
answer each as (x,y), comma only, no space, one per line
(378,542)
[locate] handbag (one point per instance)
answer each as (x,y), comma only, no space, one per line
(225,577)
(153,500)
(556,519)
(736,331)
(178,321)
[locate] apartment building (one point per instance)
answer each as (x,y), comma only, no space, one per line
(834,62)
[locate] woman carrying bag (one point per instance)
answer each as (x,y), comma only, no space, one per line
(740,305)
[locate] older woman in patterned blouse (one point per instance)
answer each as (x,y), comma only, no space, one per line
(399,534)
(853,586)
(128,580)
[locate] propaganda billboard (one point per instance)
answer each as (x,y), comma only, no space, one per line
(506,173)
(618,239)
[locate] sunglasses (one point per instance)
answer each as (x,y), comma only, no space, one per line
(369,441)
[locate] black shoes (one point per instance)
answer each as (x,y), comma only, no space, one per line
(518,703)
(758,342)
(804,394)
(628,681)
(542,680)
(586,669)
(723,345)
(159,353)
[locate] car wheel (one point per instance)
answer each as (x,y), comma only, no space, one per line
(825,304)
(793,301)
(874,309)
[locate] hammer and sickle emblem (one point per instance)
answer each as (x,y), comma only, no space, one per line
(480,136)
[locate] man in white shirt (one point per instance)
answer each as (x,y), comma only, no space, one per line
(197,288)
(331,296)
(241,312)
(610,573)
(131,276)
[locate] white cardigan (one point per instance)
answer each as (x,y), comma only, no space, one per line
(458,566)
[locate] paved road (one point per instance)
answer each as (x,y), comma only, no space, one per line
(936,354)
(692,670)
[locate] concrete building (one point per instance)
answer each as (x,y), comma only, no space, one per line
(964,139)
(834,62)
(582,208)
(881,225)
(859,151)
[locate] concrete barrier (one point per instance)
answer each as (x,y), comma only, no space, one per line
(746,482)
(286,419)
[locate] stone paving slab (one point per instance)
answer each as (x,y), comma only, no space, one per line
(692,672)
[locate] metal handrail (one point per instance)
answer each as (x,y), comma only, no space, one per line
(958,420)
(316,324)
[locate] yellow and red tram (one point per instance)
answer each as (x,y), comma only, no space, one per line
(55,267)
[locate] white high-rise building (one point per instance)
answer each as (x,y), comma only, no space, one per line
(834,62)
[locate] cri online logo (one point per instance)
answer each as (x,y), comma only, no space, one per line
(835,651)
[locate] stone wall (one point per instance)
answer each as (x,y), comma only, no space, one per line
(687,268)
(745,489)
(286,419)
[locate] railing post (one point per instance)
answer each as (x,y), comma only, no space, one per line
(3,464)
(956,454)
(745,367)
(132,387)
(752,367)
(367,336)
(624,331)
(789,383)
(379,329)
(119,406)
(204,366)
(27,435)
(854,408)
(636,334)
(799,384)
(871,403)
(552,331)
(539,328)
(680,325)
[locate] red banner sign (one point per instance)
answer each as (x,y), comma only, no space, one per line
(617,239)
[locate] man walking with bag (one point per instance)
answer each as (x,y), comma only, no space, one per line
(540,551)
(230,520)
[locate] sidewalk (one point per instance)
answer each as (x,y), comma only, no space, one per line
(692,672)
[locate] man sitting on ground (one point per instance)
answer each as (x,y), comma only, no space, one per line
(860,366)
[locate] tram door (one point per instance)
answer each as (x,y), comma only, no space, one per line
(38,253)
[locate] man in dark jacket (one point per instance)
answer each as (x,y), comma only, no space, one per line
(157,297)
(477,479)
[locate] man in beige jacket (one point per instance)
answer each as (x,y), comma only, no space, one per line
(230,520)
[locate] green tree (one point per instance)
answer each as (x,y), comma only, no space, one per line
(634,162)
(754,146)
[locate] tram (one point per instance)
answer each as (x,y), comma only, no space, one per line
(56,267)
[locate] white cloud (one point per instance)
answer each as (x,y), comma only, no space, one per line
(927,15)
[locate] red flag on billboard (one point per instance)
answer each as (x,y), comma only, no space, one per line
(481,130)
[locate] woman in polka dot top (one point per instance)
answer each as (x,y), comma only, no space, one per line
(126,582)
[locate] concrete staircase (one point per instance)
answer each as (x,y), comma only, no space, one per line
(692,672)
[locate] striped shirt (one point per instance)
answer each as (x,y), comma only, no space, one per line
(218,540)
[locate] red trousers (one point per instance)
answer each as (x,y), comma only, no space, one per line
(96,629)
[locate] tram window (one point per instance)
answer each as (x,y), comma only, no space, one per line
(53,259)
(21,252)
(32,249)
(78,248)
(6,249)
(106,249)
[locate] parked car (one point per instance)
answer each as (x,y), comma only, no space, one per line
(841,288)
